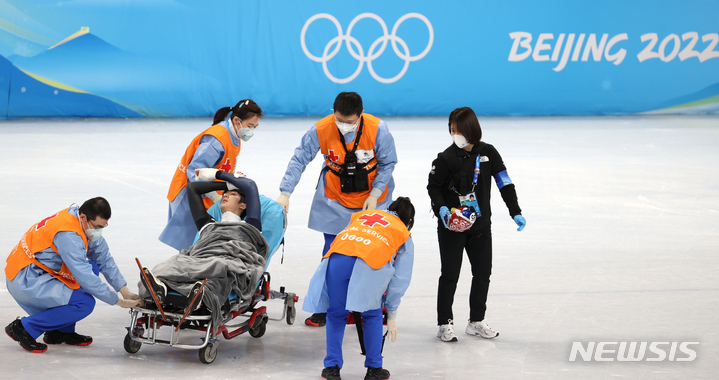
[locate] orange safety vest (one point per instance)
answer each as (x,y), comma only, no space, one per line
(40,237)
(373,236)
(331,147)
(227,163)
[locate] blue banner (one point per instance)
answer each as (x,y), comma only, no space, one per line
(179,58)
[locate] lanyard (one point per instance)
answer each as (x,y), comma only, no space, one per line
(476,173)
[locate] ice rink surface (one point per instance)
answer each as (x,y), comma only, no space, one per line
(622,245)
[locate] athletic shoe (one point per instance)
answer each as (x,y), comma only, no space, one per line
(73,338)
(482,329)
(376,374)
(446,332)
(331,373)
(155,286)
(317,320)
(17,332)
(198,301)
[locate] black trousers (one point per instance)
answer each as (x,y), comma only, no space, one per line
(451,250)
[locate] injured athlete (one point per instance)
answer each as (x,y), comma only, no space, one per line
(230,254)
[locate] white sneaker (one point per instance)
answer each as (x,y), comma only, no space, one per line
(482,329)
(446,332)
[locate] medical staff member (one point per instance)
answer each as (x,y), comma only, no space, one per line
(53,274)
(217,147)
(461,176)
(371,257)
(359,157)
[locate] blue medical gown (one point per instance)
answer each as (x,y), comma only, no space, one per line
(367,285)
(35,290)
(181,227)
(329,216)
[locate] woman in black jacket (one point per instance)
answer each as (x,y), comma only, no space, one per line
(461,176)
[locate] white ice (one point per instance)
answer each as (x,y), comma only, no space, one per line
(622,245)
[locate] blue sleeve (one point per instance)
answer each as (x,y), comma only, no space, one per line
(399,283)
(386,157)
(72,251)
(304,154)
(208,155)
(99,252)
(502,179)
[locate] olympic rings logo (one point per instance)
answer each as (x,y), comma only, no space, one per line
(373,53)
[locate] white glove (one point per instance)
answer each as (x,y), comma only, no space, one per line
(214,196)
(370,203)
(239,174)
(128,303)
(205,174)
(392,329)
(284,201)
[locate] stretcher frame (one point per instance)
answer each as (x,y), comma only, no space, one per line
(146,322)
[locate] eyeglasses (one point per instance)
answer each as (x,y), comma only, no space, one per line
(94,226)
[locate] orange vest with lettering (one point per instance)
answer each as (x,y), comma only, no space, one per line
(331,147)
(373,236)
(227,162)
(38,238)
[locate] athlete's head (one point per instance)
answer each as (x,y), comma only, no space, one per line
(233,201)
(463,121)
(405,211)
(349,106)
(245,114)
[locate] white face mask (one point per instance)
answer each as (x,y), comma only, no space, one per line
(346,128)
(460,141)
(94,234)
(244,133)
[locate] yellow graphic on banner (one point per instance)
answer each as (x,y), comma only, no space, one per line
(52,83)
(83,31)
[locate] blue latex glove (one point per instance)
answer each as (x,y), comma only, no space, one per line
(444,215)
(521,222)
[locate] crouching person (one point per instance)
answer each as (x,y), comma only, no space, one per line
(53,274)
(372,256)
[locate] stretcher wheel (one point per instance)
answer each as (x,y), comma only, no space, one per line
(291,314)
(208,353)
(131,345)
(259,331)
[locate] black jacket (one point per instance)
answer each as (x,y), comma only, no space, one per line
(452,174)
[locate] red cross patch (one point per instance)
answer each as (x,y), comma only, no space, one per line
(226,167)
(332,156)
(371,220)
(42,223)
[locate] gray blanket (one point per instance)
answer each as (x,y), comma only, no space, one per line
(231,256)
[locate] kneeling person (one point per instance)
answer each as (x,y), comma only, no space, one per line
(53,274)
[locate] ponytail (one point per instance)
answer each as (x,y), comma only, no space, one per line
(405,211)
(221,115)
(244,109)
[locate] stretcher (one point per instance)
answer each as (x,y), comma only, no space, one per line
(238,316)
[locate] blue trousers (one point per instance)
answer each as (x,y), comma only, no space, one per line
(62,318)
(339,272)
(328,242)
